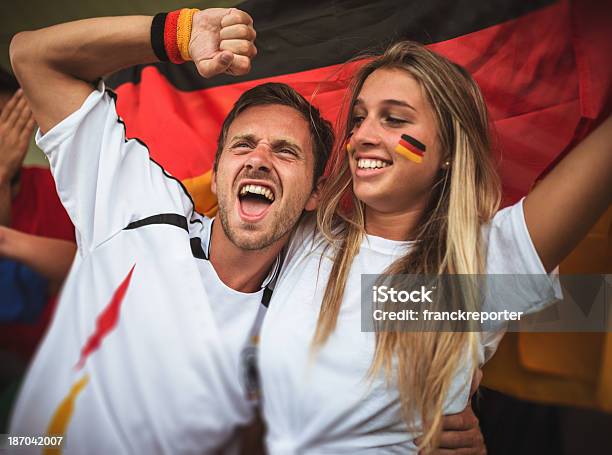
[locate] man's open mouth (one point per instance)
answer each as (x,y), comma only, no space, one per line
(254,201)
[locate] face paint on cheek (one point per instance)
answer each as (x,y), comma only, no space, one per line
(410,148)
(348,145)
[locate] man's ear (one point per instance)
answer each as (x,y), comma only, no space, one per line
(213,182)
(313,201)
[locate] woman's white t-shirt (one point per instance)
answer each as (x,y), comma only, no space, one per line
(327,403)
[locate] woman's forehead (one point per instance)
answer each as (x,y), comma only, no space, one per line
(391,86)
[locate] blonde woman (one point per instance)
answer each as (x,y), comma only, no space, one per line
(327,386)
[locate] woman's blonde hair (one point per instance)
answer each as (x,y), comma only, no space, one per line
(465,196)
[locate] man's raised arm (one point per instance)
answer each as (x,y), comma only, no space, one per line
(106,181)
(57,65)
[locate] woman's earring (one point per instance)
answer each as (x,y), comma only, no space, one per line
(446,165)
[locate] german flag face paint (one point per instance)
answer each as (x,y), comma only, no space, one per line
(410,148)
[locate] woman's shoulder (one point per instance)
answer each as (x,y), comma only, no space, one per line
(508,245)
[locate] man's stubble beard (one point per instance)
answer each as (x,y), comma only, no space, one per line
(280,226)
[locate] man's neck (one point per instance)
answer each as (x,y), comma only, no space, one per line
(241,270)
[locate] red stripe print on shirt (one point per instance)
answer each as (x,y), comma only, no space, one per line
(107,320)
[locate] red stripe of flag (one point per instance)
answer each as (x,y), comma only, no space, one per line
(410,147)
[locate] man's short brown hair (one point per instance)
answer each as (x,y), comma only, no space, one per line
(272,93)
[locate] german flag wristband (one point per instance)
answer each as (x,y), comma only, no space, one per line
(170,35)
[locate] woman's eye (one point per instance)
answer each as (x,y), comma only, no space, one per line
(396,121)
(357,120)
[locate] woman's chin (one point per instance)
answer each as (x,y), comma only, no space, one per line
(373,201)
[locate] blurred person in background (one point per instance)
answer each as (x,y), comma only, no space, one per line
(36,244)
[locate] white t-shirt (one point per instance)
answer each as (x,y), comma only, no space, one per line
(150,358)
(327,403)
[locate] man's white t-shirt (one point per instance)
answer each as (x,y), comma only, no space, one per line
(327,403)
(143,354)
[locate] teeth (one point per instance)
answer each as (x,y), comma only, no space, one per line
(371,164)
(257,189)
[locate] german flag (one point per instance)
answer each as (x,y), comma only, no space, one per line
(543,68)
(410,148)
